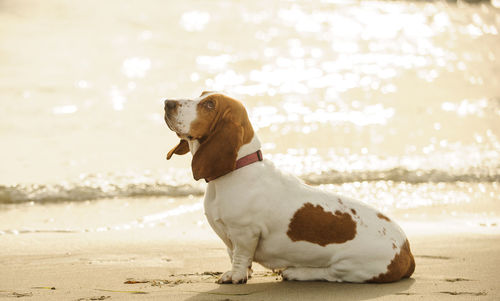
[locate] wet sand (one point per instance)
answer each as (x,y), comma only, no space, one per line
(141,264)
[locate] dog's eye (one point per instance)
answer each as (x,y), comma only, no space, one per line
(190,137)
(209,104)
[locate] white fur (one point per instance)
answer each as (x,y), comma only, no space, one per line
(250,210)
(185,113)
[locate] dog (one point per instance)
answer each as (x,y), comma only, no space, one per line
(264,215)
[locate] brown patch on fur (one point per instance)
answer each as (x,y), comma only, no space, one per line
(381,216)
(313,224)
(401,266)
(221,128)
(340,202)
(394,247)
(353,211)
(383,232)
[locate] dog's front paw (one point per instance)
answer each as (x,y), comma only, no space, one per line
(235,277)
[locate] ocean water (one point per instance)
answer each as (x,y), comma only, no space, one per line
(396,103)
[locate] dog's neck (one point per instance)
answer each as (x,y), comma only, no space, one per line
(251,147)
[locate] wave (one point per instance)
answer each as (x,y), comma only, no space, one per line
(400,174)
(102,186)
(77,192)
(92,187)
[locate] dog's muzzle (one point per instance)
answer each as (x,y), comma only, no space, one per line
(170,112)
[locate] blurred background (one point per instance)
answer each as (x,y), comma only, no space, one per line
(396,103)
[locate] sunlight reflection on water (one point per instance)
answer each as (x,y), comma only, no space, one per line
(194,20)
(339,91)
(136,66)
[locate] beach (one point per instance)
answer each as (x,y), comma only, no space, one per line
(393,103)
(182,262)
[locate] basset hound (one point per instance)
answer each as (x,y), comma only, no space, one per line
(272,218)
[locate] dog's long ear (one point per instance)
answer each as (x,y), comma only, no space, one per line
(179,149)
(216,156)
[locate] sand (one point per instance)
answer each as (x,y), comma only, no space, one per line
(141,265)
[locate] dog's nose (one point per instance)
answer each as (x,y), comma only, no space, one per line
(170,104)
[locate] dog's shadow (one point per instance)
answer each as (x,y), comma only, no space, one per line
(292,290)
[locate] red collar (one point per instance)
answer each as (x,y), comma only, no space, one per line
(242,162)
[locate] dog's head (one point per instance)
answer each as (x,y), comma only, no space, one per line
(215,125)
